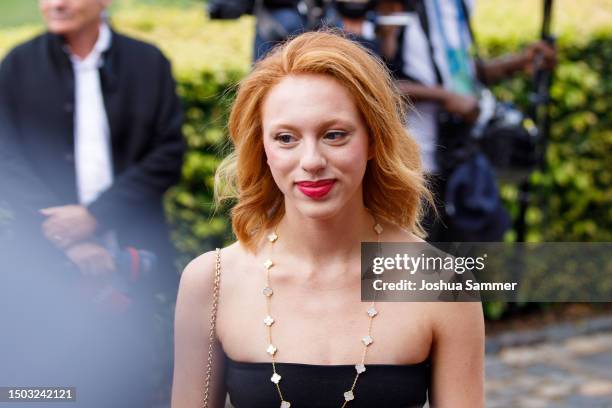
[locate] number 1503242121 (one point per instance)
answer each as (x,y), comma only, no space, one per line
(34,394)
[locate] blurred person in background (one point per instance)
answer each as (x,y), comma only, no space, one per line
(90,139)
(434,58)
(279,20)
(275,20)
(352,17)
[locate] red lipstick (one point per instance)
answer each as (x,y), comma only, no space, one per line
(316,189)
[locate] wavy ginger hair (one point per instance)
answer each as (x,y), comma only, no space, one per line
(393,184)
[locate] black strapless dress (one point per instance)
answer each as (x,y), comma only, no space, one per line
(323,386)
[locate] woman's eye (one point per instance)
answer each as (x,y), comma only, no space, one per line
(284,138)
(335,135)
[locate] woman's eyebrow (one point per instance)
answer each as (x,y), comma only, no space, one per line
(334,121)
(320,126)
(281,125)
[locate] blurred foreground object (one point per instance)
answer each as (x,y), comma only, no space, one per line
(90,139)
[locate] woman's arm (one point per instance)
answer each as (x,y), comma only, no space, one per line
(191,338)
(458,356)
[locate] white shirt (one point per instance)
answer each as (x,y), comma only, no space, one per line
(92,149)
(417,64)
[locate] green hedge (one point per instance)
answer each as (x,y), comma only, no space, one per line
(197,225)
(573,199)
(576,190)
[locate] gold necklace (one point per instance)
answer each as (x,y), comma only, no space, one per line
(268,321)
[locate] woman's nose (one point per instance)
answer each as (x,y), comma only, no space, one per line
(312,160)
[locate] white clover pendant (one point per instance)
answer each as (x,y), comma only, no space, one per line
(372,312)
(268,321)
(348,396)
(378,228)
(275,378)
(267,291)
(367,340)
(285,404)
(268,264)
(271,350)
(360,368)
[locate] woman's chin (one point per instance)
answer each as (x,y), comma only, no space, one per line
(317,209)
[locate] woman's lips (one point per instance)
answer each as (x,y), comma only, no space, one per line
(316,189)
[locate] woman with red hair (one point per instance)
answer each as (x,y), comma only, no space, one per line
(322,162)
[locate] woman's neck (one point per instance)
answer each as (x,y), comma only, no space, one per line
(317,241)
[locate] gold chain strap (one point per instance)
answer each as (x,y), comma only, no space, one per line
(213,321)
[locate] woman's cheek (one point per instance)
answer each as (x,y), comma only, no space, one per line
(353,159)
(281,166)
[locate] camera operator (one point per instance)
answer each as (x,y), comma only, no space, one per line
(356,18)
(276,20)
(435,66)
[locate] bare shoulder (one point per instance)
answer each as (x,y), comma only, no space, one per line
(233,254)
(196,285)
(458,319)
(393,233)
(201,270)
(199,274)
(458,355)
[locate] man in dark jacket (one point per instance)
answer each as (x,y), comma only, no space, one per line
(90,139)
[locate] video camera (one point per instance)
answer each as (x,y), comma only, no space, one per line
(233,9)
(358,9)
(507,136)
(229,9)
(354,9)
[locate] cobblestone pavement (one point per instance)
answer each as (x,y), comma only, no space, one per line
(573,373)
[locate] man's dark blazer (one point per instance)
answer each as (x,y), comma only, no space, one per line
(37,164)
